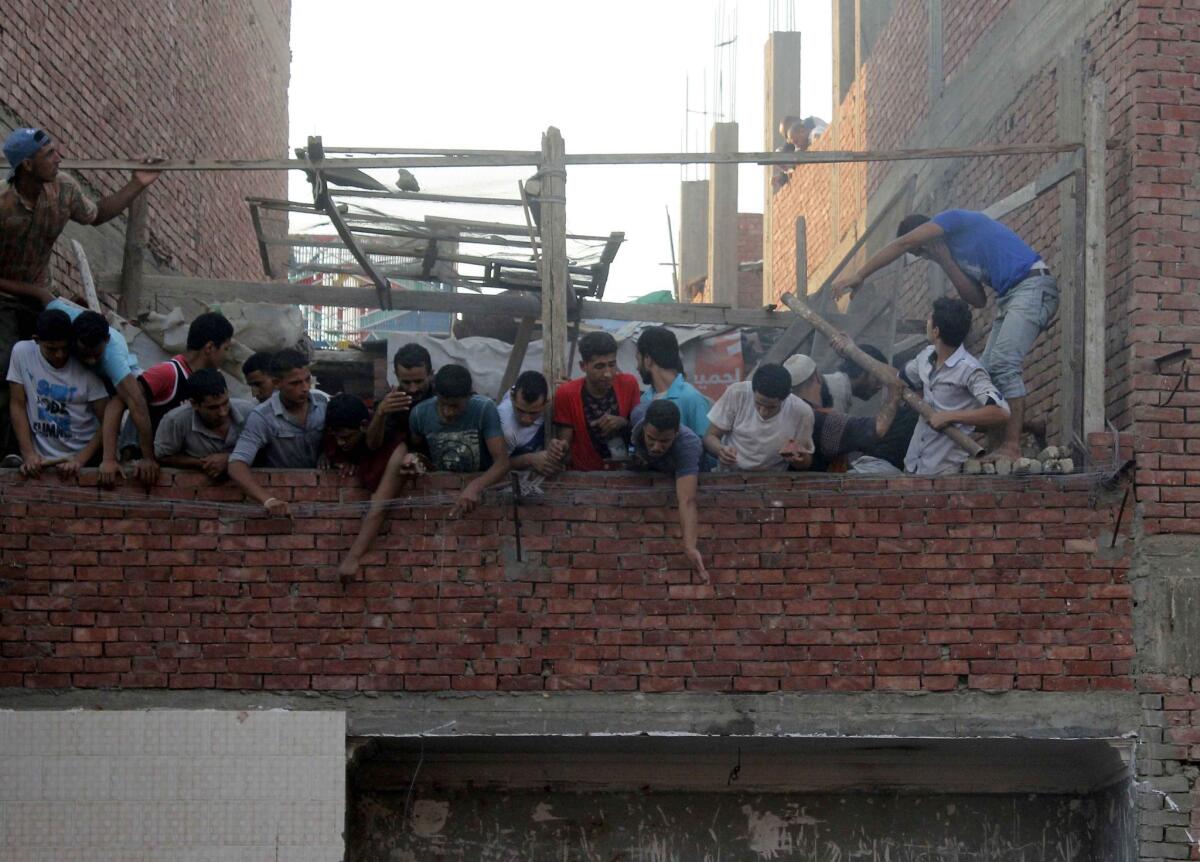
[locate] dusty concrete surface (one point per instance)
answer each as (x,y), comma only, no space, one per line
(1036,715)
(1165,575)
(665,827)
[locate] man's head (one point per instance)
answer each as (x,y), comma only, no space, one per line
(805,380)
(210,336)
(292,379)
(257,372)
(863,385)
(32,152)
(785,125)
(209,396)
(54,335)
(529,396)
(799,133)
(453,386)
(657,347)
(414,370)
(907,225)
(950,322)
(598,360)
(660,427)
(771,385)
(91,337)
(346,418)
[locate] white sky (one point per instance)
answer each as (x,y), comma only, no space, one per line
(474,74)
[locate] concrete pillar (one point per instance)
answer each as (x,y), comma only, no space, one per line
(781,86)
(722,219)
(693,234)
(845,45)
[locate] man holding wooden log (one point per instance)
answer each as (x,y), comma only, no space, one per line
(977,252)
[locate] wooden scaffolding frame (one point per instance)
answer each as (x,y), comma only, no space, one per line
(570,293)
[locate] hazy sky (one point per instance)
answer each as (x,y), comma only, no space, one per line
(474,74)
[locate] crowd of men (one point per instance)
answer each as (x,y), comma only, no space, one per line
(76,396)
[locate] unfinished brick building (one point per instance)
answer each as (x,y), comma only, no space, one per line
(993,668)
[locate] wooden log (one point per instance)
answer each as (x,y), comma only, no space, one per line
(1095,257)
(130,299)
(516,357)
(555,277)
(885,374)
(807,157)
(426,196)
(85,276)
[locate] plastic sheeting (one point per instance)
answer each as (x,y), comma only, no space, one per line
(713,351)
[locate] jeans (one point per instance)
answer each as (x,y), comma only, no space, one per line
(1022,315)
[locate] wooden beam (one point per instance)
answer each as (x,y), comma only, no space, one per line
(883,373)
(287,293)
(807,157)
(425,196)
(322,199)
(800,329)
(1045,181)
(130,298)
(555,277)
(1072,209)
(264,256)
(1095,258)
(516,357)
(801,256)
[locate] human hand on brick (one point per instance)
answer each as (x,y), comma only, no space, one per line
(697,560)
(67,468)
(146,471)
(214,465)
(275,506)
(31,465)
(727,456)
(467,500)
(108,473)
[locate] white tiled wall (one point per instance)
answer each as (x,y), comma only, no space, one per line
(183,785)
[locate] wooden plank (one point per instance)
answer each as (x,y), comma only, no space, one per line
(1071,208)
(555,278)
(801,256)
(263,255)
(85,276)
(504,229)
(883,373)
(516,356)
(1095,257)
(426,196)
(284,206)
(132,275)
(1029,192)
(807,157)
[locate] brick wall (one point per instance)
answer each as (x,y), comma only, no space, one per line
(816,584)
(750,248)
(117,78)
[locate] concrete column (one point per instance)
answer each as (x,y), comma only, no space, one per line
(722,219)
(781,85)
(693,234)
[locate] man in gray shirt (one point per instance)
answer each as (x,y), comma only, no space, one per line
(286,428)
(200,433)
(954,384)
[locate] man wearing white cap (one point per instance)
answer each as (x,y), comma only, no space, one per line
(35,206)
(836,435)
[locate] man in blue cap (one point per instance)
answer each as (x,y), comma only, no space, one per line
(35,205)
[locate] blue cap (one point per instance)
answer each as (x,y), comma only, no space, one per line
(23,144)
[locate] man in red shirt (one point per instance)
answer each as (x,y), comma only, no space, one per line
(591,413)
(208,339)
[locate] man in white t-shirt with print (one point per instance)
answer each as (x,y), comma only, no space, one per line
(55,402)
(759,424)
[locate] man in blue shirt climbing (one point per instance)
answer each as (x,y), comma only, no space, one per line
(978,253)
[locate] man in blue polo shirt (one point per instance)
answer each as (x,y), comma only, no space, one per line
(661,368)
(977,252)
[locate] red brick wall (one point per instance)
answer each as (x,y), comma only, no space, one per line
(117,78)
(833,584)
(750,248)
